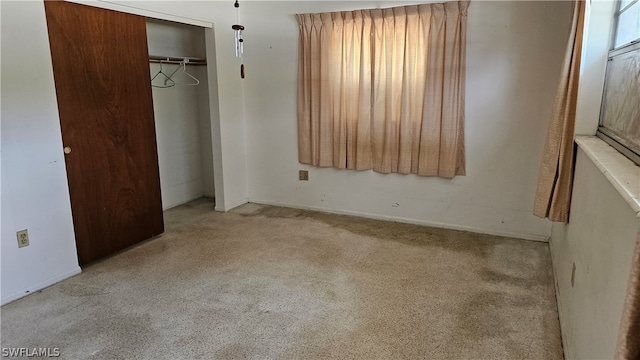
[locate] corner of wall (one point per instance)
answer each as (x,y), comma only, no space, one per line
(228,122)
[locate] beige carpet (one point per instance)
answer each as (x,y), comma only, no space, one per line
(274,283)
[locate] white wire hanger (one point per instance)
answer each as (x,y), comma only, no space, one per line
(168,82)
(183,64)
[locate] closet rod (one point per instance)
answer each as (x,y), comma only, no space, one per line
(176,60)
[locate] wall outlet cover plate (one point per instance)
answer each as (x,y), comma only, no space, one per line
(23,238)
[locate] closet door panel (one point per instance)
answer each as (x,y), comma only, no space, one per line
(103,86)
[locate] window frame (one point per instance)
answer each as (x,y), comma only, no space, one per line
(630,150)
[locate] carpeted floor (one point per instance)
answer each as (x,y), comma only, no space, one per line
(265,282)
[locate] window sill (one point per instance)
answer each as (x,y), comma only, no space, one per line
(623,174)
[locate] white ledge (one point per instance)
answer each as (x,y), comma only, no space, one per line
(623,174)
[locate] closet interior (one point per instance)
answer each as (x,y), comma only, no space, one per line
(178,67)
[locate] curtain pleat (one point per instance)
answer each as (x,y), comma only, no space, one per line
(452,144)
(429,161)
(363,151)
(337,28)
(350,75)
(379,127)
(418,22)
(325,107)
(553,193)
(304,91)
(374,85)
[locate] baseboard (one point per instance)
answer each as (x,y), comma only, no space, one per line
(39,286)
(176,204)
(531,237)
(229,207)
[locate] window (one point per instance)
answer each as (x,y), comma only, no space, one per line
(620,112)
(383,89)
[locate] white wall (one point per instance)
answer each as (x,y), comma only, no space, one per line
(183,128)
(514,52)
(181,142)
(599,240)
(167,38)
(34,190)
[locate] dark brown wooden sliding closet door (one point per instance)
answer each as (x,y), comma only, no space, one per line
(101,72)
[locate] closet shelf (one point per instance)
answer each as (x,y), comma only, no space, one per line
(177,60)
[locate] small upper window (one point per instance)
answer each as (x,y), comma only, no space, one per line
(627,23)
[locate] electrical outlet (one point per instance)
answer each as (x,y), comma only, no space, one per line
(23,238)
(303,175)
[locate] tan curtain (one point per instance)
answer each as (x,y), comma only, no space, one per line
(553,194)
(384,89)
(629,337)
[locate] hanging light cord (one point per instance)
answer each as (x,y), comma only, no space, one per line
(237,6)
